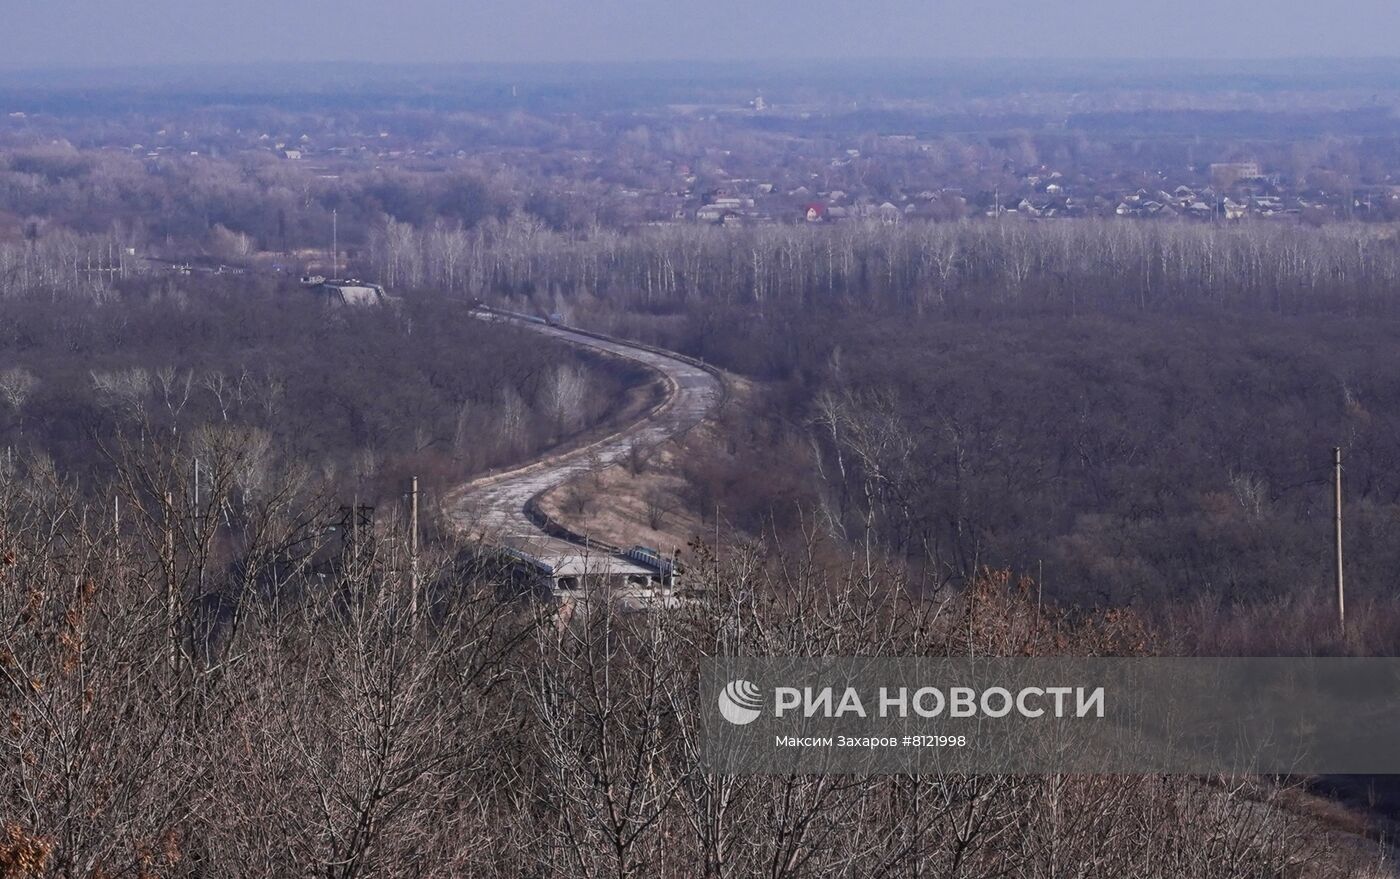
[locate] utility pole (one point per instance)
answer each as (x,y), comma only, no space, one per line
(413,548)
(1337,535)
(172,603)
(355,529)
(199,528)
(335,245)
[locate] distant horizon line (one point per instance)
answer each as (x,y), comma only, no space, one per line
(711,61)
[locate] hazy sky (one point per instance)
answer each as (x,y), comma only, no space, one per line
(42,33)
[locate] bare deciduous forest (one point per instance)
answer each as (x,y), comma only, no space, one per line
(298,717)
(363,398)
(988,419)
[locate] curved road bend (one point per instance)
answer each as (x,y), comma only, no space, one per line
(495,505)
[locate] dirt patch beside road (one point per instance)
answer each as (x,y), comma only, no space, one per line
(495,505)
(623,506)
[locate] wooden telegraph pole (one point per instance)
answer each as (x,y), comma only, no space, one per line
(413,548)
(117,532)
(1337,535)
(172,598)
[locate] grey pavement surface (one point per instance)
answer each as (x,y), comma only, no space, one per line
(494,505)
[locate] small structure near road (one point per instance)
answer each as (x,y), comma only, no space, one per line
(638,579)
(360,294)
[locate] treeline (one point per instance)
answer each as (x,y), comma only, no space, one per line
(1065,267)
(184,205)
(222,685)
(62,264)
(365,396)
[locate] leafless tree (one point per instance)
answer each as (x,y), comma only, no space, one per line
(17,384)
(565,396)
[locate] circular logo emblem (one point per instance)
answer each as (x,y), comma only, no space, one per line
(739,702)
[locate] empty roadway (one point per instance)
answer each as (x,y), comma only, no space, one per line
(494,505)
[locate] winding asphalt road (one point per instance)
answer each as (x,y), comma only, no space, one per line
(494,505)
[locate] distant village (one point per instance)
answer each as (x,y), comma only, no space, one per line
(1215,191)
(637,178)
(216,196)
(1227,191)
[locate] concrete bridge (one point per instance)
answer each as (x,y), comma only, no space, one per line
(500,506)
